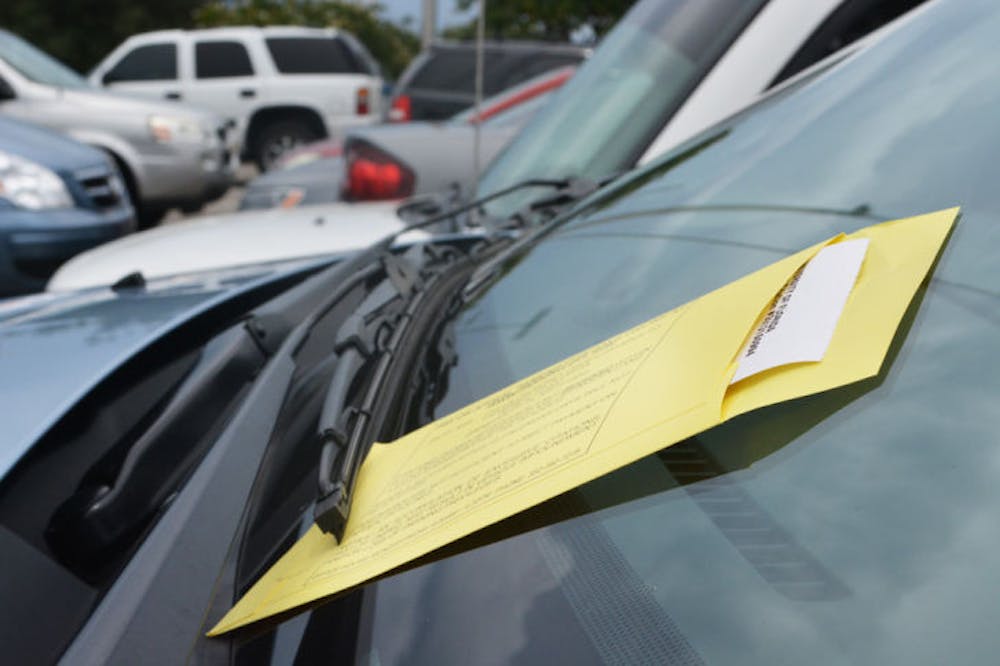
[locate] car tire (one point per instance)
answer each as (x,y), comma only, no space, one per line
(277,138)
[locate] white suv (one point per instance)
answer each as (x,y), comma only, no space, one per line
(283,85)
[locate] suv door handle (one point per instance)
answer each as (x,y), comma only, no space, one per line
(172,95)
(248,92)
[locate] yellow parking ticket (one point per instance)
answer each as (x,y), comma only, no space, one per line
(816,320)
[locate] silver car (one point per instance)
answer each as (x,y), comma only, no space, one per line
(169,155)
(398,160)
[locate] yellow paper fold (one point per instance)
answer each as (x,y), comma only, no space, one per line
(641,391)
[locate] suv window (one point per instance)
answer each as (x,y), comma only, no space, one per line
(312,55)
(152,62)
(213,60)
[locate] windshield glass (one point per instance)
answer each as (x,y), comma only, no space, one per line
(36,65)
(854,526)
(619,99)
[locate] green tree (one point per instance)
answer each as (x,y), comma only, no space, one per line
(81,32)
(552,20)
(390,44)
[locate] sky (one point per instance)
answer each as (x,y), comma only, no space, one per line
(396,10)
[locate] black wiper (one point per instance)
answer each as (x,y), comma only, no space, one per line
(369,340)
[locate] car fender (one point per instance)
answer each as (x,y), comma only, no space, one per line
(119,148)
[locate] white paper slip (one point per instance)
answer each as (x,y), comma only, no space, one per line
(800,324)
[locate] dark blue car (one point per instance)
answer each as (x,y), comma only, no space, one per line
(57,198)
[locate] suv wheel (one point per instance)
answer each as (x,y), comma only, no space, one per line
(277,138)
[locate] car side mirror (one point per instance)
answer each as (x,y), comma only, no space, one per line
(6,91)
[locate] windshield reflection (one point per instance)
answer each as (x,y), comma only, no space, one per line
(858,525)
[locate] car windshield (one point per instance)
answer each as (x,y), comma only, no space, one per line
(621,97)
(36,65)
(522,95)
(858,525)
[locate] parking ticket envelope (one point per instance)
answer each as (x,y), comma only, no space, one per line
(821,318)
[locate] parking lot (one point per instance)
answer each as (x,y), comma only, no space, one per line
(640,332)
(227,203)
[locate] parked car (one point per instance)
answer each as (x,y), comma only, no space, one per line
(394,161)
(666,70)
(441,81)
(169,155)
(57,198)
(283,85)
(855,525)
(235,239)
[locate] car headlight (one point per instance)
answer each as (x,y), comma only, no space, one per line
(30,185)
(176,129)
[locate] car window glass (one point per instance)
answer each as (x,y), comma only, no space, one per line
(620,99)
(847,23)
(841,517)
(853,526)
(453,70)
(312,55)
(36,65)
(221,59)
(446,69)
(152,62)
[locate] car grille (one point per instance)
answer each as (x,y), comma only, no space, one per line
(103,188)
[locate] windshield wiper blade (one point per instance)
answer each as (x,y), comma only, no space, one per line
(370,335)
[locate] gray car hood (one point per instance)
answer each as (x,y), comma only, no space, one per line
(55,348)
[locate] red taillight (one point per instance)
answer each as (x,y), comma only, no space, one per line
(361,103)
(373,175)
(401,110)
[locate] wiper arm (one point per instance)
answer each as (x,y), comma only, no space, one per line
(564,187)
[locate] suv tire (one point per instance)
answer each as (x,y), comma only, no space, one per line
(277,138)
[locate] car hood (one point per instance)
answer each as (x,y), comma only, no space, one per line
(95,100)
(50,149)
(60,346)
(236,239)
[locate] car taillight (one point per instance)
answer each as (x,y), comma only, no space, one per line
(373,174)
(361,103)
(401,110)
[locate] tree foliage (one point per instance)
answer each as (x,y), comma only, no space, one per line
(390,44)
(542,19)
(81,32)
